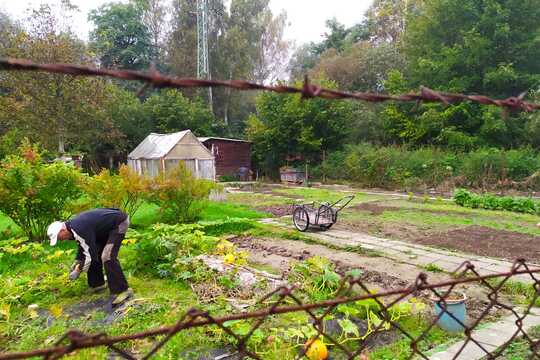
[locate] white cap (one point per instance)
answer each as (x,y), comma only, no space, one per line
(53,230)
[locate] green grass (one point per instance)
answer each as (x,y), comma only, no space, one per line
(148,213)
(414,326)
(7,227)
(318,194)
(223,210)
(520,349)
(257,200)
(433,268)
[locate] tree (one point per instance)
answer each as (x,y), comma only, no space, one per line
(246,43)
(121,38)
(154,13)
(386,19)
(58,111)
(363,67)
(335,39)
(302,60)
(286,125)
(170,111)
(489,47)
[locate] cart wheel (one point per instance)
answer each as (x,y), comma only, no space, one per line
(301,219)
(327,212)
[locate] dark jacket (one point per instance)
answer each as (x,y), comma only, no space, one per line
(91,230)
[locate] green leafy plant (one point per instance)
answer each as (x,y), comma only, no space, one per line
(166,248)
(433,268)
(317,277)
(468,199)
(34,193)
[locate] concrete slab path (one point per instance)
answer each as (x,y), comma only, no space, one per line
(491,337)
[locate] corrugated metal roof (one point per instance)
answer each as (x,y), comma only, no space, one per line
(156,146)
(203,139)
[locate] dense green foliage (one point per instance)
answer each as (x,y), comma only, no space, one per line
(106,119)
(120,36)
(170,111)
(399,167)
(489,47)
(34,193)
(491,202)
(288,126)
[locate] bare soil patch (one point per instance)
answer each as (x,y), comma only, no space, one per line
(398,231)
(376,208)
(484,241)
(381,272)
(377,273)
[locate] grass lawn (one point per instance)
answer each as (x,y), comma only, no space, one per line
(7,225)
(148,213)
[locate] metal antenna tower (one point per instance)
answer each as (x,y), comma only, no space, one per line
(203,68)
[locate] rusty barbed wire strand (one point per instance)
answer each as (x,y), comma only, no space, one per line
(308,90)
(194,318)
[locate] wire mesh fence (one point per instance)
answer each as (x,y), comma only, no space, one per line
(267,330)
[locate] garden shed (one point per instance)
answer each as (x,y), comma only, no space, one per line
(161,152)
(231,155)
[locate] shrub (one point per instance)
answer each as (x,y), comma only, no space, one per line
(399,167)
(126,191)
(34,193)
(178,194)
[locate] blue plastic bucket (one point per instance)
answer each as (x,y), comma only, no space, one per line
(456,308)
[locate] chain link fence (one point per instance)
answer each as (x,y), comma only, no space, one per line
(432,305)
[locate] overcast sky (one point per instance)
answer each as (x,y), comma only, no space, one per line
(306,17)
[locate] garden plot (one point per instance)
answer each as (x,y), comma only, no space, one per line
(427,221)
(174,268)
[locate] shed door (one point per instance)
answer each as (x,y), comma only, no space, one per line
(206,169)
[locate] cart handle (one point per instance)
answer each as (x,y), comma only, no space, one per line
(341,203)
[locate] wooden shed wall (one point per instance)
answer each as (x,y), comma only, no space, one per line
(230,155)
(188,148)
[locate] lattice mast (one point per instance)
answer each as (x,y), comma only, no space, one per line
(203,68)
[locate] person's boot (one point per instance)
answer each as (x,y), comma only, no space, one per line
(123,296)
(99,288)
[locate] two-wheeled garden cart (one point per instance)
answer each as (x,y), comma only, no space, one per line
(323,215)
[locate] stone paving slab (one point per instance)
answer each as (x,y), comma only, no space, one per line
(491,337)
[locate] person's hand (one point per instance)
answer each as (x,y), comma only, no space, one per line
(75,270)
(74,275)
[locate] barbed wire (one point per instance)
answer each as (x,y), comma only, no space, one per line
(308,90)
(350,290)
